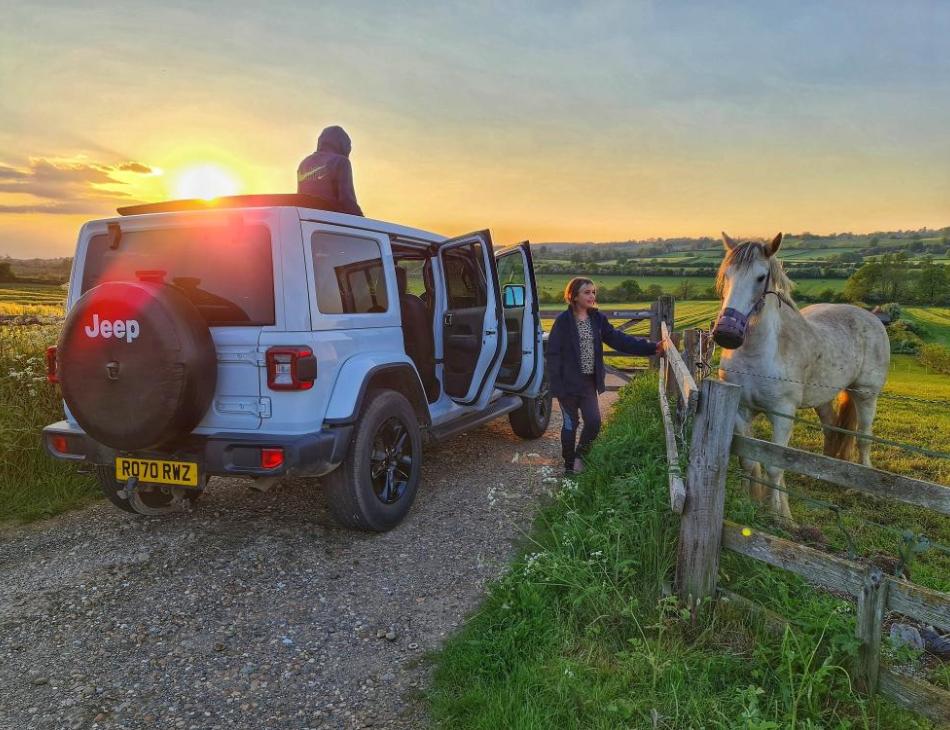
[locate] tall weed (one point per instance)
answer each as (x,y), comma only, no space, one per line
(32,484)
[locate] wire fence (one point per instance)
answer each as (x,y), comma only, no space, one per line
(933,453)
(911,542)
(918,541)
(862,391)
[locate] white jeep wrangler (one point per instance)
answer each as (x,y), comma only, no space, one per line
(268,335)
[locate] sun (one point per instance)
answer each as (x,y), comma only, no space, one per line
(205,182)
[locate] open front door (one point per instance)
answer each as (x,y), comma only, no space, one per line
(522,368)
(472,327)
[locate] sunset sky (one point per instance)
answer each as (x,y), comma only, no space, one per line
(541,120)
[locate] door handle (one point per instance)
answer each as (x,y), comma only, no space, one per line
(447,319)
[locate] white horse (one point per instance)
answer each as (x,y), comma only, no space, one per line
(786,359)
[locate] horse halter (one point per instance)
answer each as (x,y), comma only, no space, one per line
(730,327)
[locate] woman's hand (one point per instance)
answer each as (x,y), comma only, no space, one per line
(660,348)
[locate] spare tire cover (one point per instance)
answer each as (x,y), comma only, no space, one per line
(136,363)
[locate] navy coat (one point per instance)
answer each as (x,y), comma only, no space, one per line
(563,353)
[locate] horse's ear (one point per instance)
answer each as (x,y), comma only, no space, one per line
(774,246)
(728,242)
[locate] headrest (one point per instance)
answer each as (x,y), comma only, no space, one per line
(402,280)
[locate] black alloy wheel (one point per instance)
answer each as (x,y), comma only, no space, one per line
(391,461)
(376,484)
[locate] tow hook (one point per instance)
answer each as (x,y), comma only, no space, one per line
(132,492)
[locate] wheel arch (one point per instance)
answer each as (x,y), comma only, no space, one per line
(397,376)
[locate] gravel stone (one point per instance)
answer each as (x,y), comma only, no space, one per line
(255,609)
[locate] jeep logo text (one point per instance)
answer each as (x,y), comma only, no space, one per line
(118,328)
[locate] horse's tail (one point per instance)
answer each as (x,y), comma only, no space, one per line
(837,444)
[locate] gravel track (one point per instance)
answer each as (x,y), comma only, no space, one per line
(255,610)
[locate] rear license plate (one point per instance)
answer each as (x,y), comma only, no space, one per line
(153,471)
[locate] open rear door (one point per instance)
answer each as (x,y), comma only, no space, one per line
(472,327)
(522,368)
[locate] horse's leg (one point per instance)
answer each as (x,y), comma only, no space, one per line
(749,468)
(826,412)
(866,406)
(781,435)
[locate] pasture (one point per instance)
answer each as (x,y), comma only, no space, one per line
(36,300)
(555,283)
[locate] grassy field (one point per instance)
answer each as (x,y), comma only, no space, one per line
(32,484)
(555,283)
(875,528)
(32,300)
(582,633)
(934,321)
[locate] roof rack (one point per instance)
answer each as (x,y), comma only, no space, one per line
(294,200)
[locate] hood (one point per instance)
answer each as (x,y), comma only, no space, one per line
(334,139)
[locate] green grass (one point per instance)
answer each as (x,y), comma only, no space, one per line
(933,321)
(32,484)
(581,634)
(922,424)
(555,283)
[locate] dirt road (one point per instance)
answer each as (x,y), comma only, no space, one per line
(255,610)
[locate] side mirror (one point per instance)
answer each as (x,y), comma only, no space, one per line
(513,296)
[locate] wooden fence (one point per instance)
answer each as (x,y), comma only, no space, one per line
(660,312)
(700,496)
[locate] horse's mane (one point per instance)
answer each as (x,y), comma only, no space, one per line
(743,256)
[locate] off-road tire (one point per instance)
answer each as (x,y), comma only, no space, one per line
(110,487)
(351,496)
(531,420)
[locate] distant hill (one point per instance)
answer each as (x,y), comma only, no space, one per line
(934,242)
(680,256)
(36,271)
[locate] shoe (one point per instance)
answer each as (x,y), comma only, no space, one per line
(568,472)
(578,466)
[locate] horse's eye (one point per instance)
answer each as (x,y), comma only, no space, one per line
(761,278)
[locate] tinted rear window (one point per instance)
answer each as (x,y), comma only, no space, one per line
(226,271)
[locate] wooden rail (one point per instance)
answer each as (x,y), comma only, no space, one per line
(660,311)
(677,487)
(882,484)
(685,383)
(703,532)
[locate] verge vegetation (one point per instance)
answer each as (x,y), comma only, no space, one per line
(32,484)
(582,631)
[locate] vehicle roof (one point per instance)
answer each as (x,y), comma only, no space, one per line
(310,208)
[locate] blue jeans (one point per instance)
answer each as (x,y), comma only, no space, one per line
(587,407)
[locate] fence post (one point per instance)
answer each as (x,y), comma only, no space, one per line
(697,562)
(662,310)
(691,352)
(871,603)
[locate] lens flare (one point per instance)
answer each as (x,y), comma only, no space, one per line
(206,182)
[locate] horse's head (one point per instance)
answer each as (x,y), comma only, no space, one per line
(748,271)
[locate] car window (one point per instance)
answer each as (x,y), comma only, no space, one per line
(511,269)
(465,280)
(226,271)
(348,273)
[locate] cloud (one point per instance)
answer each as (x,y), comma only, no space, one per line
(65,187)
(136,167)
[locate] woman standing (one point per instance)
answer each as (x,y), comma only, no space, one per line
(575,363)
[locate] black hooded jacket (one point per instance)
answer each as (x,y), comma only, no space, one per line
(563,352)
(327,173)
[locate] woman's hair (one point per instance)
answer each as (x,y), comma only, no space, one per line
(574,287)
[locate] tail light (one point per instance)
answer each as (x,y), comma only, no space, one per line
(51,374)
(291,368)
(272,458)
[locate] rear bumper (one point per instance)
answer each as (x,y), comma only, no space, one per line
(219,454)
